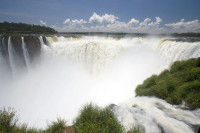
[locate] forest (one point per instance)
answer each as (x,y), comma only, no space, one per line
(22,28)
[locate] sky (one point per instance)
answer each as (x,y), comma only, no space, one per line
(156,16)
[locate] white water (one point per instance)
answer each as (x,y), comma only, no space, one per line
(104,70)
(150,114)
(12,57)
(26,54)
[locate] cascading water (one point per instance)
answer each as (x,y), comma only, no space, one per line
(172,51)
(103,70)
(26,54)
(12,57)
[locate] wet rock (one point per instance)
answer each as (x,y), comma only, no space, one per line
(33,47)
(198,62)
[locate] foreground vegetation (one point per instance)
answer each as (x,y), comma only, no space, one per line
(9,124)
(92,119)
(180,83)
(15,29)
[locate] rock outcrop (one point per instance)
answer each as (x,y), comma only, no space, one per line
(33,47)
(198,62)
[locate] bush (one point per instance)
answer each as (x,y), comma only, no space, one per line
(93,119)
(8,120)
(56,126)
(180,83)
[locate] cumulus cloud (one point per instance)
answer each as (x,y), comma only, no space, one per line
(80,22)
(110,23)
(133,21)
(182,26)
(158,20)
(66,21)
(107,18)
(43,23)
(146,21)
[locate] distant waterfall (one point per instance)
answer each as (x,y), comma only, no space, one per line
(26,54)
(3,45)
(41,41)
(171,51)
(97,52)
(1,51)
(44,49)
(12,57)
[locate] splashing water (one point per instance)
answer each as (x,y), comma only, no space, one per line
(104,70)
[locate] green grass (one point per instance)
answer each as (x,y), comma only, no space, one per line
(94,119)
(56,126)
(180,83)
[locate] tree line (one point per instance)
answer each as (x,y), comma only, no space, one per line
(22,28)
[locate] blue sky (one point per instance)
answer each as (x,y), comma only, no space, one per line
(106,15)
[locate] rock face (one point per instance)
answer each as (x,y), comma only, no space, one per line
(33,47)
(198,62)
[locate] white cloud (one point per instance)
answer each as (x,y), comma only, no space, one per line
(133,21)
(110,23)
(43,23)
(76,21)
(182,26)
(158,20)
(66,21)
(107,18)
(146,21)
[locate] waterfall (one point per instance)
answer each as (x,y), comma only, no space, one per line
(26,54)
(12,57)
(1,52)
(41,41)
(171,51)
(101,70)
(4,49)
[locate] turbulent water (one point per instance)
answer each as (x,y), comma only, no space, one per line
(73,71)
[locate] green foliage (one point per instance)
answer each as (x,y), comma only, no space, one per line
(180,83)
(24,129)
(16,29)
(8,124)
(8,120)
(94,119)
(56,126)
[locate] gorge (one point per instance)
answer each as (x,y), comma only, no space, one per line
(44,77)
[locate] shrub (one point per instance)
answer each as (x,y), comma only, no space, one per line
(180,83)
(8,120)
(93,119)
(56,126)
